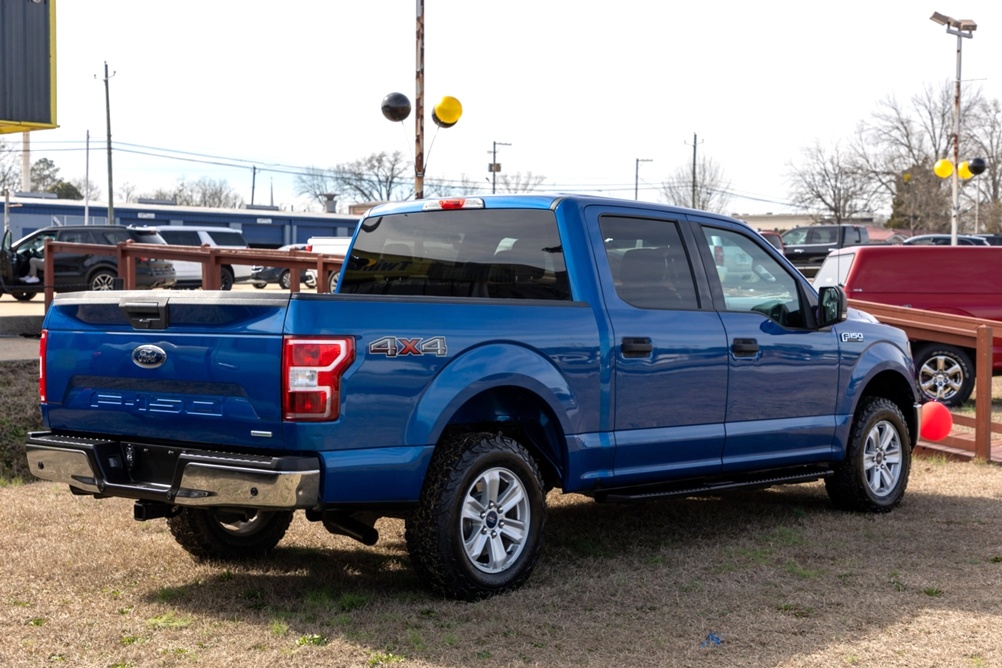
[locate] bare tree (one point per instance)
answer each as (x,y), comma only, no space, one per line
(10,166)
(519,182)
(706,189)
(985,120)
(316,183)
(830,184)
(898,146)
(203,192)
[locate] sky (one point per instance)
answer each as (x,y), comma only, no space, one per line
(586,94)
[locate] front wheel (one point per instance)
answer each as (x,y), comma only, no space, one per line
(878,458)
(478,528)
(23,296)
(944,374)
(284,280)
(222,534)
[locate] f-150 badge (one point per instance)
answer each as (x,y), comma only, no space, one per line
(852,337)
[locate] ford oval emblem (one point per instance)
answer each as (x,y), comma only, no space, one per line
(149,356)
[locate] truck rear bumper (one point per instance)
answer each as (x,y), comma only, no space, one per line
(175,475)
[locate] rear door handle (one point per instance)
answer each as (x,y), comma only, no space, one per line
(637,346)
(744,347)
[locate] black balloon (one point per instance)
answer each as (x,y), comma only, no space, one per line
(977,165)
(396,107)
(439,122)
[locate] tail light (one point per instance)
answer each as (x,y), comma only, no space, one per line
(42,347)
(718,255)
(311,377)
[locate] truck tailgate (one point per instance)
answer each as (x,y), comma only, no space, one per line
(198,367)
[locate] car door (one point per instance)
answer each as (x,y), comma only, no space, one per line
(669,380)
(781,389)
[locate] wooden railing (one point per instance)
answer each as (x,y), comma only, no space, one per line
(961,331)
(211,258)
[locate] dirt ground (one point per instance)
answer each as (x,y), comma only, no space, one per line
(765,578)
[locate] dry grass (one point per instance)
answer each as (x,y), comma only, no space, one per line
(19,414)
(777,575)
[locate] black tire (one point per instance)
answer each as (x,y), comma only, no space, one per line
(216,534)
(260,286)
(23,296)
(102,279)
(333,281)
(226,279)
(874,474)
(284,280)
(944,374)
(465,472)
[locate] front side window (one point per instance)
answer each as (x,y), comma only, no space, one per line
(751,279)
(492,253)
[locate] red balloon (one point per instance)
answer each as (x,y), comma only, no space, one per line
(936,421)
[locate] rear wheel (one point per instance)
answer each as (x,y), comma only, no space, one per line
(284,280)
(23,296)
(478,528)
(944,374)
(226,279)
(228,534)
(874,473)
(103,279)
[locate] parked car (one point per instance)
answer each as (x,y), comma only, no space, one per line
(992,239)
(189,274)
(945,240)
(775,238)
(79,271)
(951,279)
(262,276)
(330,246)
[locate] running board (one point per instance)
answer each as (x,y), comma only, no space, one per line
(711,486)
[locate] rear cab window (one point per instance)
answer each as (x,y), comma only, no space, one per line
(480,253)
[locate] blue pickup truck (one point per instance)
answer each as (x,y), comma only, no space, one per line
(478,353)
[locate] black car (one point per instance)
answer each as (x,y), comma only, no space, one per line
(262,276)
(78,271)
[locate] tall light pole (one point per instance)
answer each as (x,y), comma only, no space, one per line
(962,28)
(419,105)
(495,166)
(636,177)
(107,107)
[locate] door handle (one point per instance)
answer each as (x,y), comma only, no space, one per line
(637,346)
(744,347)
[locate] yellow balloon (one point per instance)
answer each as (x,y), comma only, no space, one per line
(448,110)
(965,170)
(943,168)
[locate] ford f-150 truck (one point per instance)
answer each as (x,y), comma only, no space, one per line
(478,353)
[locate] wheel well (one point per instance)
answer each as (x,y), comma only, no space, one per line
(521,415)
(892,386)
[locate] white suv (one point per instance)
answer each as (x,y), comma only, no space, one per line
(189,274)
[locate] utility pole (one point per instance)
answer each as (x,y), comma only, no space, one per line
(26,162)
(253,182)
(495,167)
(87,181)
(419,107)
(107,107)
(694,144)
(636,177)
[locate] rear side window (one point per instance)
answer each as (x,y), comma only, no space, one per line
(227,238)
(181,237)
(494,254)
(648,262)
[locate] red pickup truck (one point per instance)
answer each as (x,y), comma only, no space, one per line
(962,280)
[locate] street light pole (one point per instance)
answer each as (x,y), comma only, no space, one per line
(636,177)
(962,28)
(495,167)
(419,106)
(107,108)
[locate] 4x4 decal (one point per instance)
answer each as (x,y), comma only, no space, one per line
(393,346)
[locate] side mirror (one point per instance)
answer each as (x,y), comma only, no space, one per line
(833,307)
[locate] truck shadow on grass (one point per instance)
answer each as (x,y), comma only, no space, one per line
(775,571)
